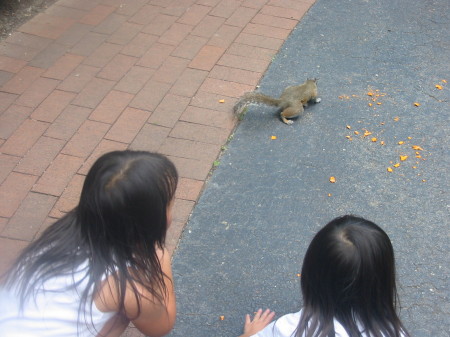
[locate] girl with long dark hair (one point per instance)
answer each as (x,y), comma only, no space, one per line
(103,264)
(348,287)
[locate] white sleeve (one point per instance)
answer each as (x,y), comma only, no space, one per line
(284,326)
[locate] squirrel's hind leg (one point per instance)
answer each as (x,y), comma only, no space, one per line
(291,112)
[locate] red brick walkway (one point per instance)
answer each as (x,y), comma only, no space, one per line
(90,76)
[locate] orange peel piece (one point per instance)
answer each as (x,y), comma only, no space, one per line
(389,169)
(403,158)
(332,180)
(417,148)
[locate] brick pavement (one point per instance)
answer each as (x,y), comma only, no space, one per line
(90,76)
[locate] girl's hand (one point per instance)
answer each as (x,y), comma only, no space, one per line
(259,322)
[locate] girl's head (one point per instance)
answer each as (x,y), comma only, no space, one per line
(349,274)
(126,201)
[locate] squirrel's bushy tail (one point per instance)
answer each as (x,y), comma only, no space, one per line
(254,97)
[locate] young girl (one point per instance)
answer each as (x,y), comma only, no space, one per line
(103,264)
(348,287)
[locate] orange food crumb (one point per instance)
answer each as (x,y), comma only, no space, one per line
(397,165)
(356,132)
(348,127)
(382,142)
(403,158)
(439,87)
(396,119)
(444,81)
(400,142)
(418,156)
(370,104)
(332,179)
(221,101)
(349,137)
(416,104)
(221,318)
(329,194)
(417,147)
(389,169)
(423,180)
(374,139)
(273,137)
(367,133)
(370,93)
(378,103)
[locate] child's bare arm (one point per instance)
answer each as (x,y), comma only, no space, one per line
(259,322)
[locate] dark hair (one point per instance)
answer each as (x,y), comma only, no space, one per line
(117,226)
(348,274)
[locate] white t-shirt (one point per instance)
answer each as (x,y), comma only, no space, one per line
(53,311)
(286,326)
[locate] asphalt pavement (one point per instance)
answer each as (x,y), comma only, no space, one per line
(381,130)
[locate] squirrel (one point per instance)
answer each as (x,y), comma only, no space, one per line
(291,101)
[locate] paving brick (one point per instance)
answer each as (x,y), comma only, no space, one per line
(189,47)
(27,219)
(253,52)
(170,70)
(68,122)
(40,156)
(103,55)
(274,21)
(172,238)
(125,33)
(210,3)
(79,4)
(66,12)
(135,79)
(209,100)
(237,75)
(175,34)
(6,99)
(74,34)
(268,31)
(12,118)
(111,107)
(52,106)
(145,15)
(224,36)
(70,197)
(7,164)
(117,67)
(189,189)
(103,147)
(79,78)
(259,41)
(257,4)
(96,15)
(241,17)
(208,26)
(29,40)
(13,190)
(220,119)
(291,4)
(9,250)
(3,222)
(192,168)
(243,62)
(207,58)
(86,139)
(37,92)
(47,26)
(177,8)
(150,138)
(5,77)
(287,13)
(185,148)
(10,64)
(155,56)
(226,88)
(58,175)
(200,133)
(24,53)
(88,44)
(182,209)
(24,137)
(22,80)
(169,110)
(128,125)
(63,66)
(189,82)
(194,14)
(225,9)
(139,45)
(159,25)
(130,7)
(47,57)
(93,93)
(150,96)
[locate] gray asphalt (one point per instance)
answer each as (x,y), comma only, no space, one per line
(243,246)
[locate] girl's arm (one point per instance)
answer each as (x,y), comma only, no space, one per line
(259,322)
(155,319)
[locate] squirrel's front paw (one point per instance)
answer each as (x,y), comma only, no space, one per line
(318,99)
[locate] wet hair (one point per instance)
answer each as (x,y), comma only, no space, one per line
(348,274)
(118,225)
